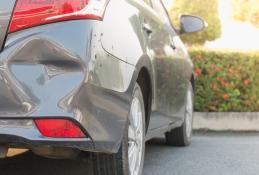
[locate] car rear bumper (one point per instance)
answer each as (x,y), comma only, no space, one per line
(24,133)
(61,71)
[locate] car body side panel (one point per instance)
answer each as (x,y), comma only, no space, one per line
(6,8)
(171,69)
(85,70)
(123,36)
(122,32)
(172,72)
(60,70)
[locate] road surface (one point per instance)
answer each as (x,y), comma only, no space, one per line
(210,153)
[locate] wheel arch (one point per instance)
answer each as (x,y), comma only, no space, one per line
(144,77)
(144,82)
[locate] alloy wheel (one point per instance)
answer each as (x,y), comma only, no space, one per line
(135,137)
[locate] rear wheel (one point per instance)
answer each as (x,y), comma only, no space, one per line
(130,158)
(181,136)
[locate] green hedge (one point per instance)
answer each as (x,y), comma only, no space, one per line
(226,81)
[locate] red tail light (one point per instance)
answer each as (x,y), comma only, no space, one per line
(59,128)
(29,13)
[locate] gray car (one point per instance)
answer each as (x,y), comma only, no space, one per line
(94,75)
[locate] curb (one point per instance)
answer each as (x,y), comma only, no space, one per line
(226,121)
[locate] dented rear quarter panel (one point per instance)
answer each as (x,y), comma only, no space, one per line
(85,70)
(44,75)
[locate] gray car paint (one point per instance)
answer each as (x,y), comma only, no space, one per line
(171,66)
(6,9)
(46,75)
(85,71)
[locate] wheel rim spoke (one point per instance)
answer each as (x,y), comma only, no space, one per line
(135,136)
(131,134)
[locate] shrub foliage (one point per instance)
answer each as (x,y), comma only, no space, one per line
(208,10)
(226,81)
(246,10)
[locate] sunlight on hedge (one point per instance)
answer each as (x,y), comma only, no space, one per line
(246,10)
(226,80)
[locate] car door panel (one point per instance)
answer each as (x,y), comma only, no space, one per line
(172,69)
(146,33)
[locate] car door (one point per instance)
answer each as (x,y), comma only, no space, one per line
(172,70)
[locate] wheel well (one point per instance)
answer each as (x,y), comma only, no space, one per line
(144,82)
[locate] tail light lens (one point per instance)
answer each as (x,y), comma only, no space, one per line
(29,13)
(59,128)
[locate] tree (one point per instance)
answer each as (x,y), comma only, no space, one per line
(207,9)
(246,10)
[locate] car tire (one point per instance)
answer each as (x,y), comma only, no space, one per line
(182,135)
(119,163)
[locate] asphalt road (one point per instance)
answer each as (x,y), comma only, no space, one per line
(209,154)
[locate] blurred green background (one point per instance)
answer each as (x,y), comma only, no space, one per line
(226,54)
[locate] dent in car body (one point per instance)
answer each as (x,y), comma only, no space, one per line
(44,75)
(85,70)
